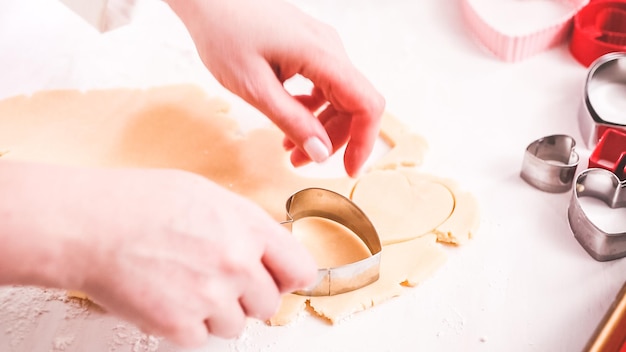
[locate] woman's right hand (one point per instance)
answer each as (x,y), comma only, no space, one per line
(170,251)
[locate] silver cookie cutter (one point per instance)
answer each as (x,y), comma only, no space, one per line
(550,163)
(327,204)
(607,69)
(605,186)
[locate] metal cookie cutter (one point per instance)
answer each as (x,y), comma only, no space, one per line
(610,153)
(606,72)
(550,163)
(604,185)
(333,206)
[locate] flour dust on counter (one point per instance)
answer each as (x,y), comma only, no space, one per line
(24,307)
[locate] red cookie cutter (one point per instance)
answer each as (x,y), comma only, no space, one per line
(610,153)
(592,27)
(599,28)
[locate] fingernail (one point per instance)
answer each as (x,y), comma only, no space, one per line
(316,150)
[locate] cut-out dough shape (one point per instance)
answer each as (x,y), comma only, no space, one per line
(402,207)
(181,127)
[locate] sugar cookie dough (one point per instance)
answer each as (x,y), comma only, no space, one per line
(180,126)
(402,207)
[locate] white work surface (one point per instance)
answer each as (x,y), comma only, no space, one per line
(522,284)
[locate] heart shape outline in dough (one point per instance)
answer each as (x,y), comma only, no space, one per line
(511,47)
(607,187)
(409,205)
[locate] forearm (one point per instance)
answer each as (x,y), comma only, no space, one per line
(39,238)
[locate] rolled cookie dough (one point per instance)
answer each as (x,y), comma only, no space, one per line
(181,127)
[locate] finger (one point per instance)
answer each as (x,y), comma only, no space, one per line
(313,102)
(337,125)
(192,336)
(289,263)
(363,133)
(267,94)
(350,92)
(288,144)
(228,321)
(262,297)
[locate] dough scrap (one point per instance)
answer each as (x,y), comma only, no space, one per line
(464,220)
(180,126)
(407,149)
(403,265)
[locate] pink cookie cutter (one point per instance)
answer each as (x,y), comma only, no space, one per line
(516,47)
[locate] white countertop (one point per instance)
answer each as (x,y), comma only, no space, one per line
(523,284)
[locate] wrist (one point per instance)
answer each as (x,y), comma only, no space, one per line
(42,244)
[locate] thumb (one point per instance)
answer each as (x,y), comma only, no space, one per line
(289,262)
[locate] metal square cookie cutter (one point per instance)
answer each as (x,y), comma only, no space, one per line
(327,204)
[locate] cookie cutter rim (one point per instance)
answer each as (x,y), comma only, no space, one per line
(550,163)
(320,202)
(605,186)
(591,125)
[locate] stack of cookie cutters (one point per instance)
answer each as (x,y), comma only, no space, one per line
(319,202)
(592,27)
(550,163)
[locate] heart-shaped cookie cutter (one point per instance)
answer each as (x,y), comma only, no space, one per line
(550,163)
(327,204)
(605,186)
(609,68)
(516,47)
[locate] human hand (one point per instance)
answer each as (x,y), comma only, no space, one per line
(167,250)
(252,47)
(180,256)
